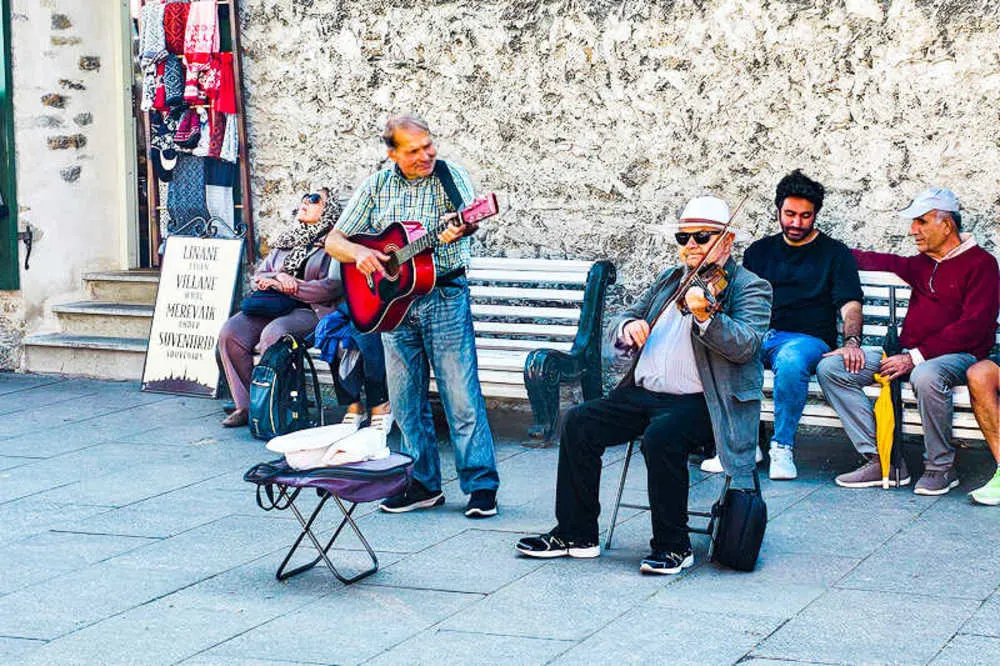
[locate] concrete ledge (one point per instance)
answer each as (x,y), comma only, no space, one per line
(85,356)
(123,286)
(105,308)
(136,345)
(150,276)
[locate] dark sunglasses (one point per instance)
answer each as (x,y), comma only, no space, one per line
(700,237)
(312,198)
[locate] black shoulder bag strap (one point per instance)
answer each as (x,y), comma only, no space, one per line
(443,173)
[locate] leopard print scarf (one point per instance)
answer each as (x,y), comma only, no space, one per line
(300,237)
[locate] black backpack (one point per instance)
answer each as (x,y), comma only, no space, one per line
(739,520)
(278,400)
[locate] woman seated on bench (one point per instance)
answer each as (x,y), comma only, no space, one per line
(298,267)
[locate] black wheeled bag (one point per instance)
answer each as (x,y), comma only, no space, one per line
(740,518)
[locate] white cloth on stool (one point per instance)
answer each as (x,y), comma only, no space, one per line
(365,444)
(306,449)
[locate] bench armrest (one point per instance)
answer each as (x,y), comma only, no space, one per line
(545,370)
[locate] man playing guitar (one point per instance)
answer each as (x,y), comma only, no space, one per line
(437,330)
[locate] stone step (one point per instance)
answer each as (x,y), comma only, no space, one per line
(102,357)
(135,286)
(105,319)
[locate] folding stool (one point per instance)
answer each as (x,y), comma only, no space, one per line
(632,446)
(278,486)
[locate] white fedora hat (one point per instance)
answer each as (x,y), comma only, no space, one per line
(708,211)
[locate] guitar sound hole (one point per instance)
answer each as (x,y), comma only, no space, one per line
(386,290)
(392,268)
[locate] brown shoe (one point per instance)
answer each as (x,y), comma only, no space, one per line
(869,475)
(240,417)
(936,482)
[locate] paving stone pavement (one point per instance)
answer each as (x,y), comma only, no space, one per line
(129,537)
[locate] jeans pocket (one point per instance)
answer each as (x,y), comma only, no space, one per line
(451,292)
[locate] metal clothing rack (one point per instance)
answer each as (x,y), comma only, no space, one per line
(242,197)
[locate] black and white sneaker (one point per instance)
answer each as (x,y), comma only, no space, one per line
(662,562)
(482,504)
(549,545)
(413,498)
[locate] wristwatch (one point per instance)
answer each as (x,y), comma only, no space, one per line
(853,338)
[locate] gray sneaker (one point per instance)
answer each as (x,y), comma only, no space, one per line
(936,482)
(869,475)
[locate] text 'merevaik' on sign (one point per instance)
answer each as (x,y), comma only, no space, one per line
(197,284)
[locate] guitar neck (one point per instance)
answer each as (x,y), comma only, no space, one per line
(430,239)
(478,210)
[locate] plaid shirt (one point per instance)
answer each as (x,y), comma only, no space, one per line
(387,197)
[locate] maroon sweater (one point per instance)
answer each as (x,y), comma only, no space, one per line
(954,304)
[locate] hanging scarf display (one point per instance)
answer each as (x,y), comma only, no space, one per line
(201,37)
(173,80)
(186,193)
(219,179)
(231,140)
(218,83)
(226,98)
(188,132)
(216,133)
(193,93)
(175,16)
(189,91)
(159,91)
(152,40)
(205,137)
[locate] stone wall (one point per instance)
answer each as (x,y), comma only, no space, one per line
(70,176)
(596,120)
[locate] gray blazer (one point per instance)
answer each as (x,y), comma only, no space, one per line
(728,358)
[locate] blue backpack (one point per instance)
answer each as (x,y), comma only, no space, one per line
(278,400)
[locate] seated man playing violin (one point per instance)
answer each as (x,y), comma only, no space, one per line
(437,330)
(696,376)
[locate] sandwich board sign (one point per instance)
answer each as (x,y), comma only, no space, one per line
(194,299)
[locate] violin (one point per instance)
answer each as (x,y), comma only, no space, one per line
(712,279)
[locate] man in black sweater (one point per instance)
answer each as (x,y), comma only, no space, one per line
(814,277)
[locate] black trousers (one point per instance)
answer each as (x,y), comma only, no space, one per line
(670,425)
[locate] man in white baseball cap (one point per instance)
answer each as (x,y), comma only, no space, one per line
(696,376)
(950,323)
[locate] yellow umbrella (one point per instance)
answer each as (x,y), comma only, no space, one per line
(885,426)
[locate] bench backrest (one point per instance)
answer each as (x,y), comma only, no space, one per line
(519,305)
(525,304)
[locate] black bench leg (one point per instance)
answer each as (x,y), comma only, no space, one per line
(542,378)
(323,550)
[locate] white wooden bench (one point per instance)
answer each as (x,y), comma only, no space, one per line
(876,286)
(520,306)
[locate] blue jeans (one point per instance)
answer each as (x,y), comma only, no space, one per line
(792,357)
(437,332)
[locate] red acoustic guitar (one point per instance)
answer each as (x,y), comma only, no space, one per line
(379,302)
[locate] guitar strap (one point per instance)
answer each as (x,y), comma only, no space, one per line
(443,173)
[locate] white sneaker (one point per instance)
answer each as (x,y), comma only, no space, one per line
(382,422)
(782,463)
(714,465)
(352,420)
